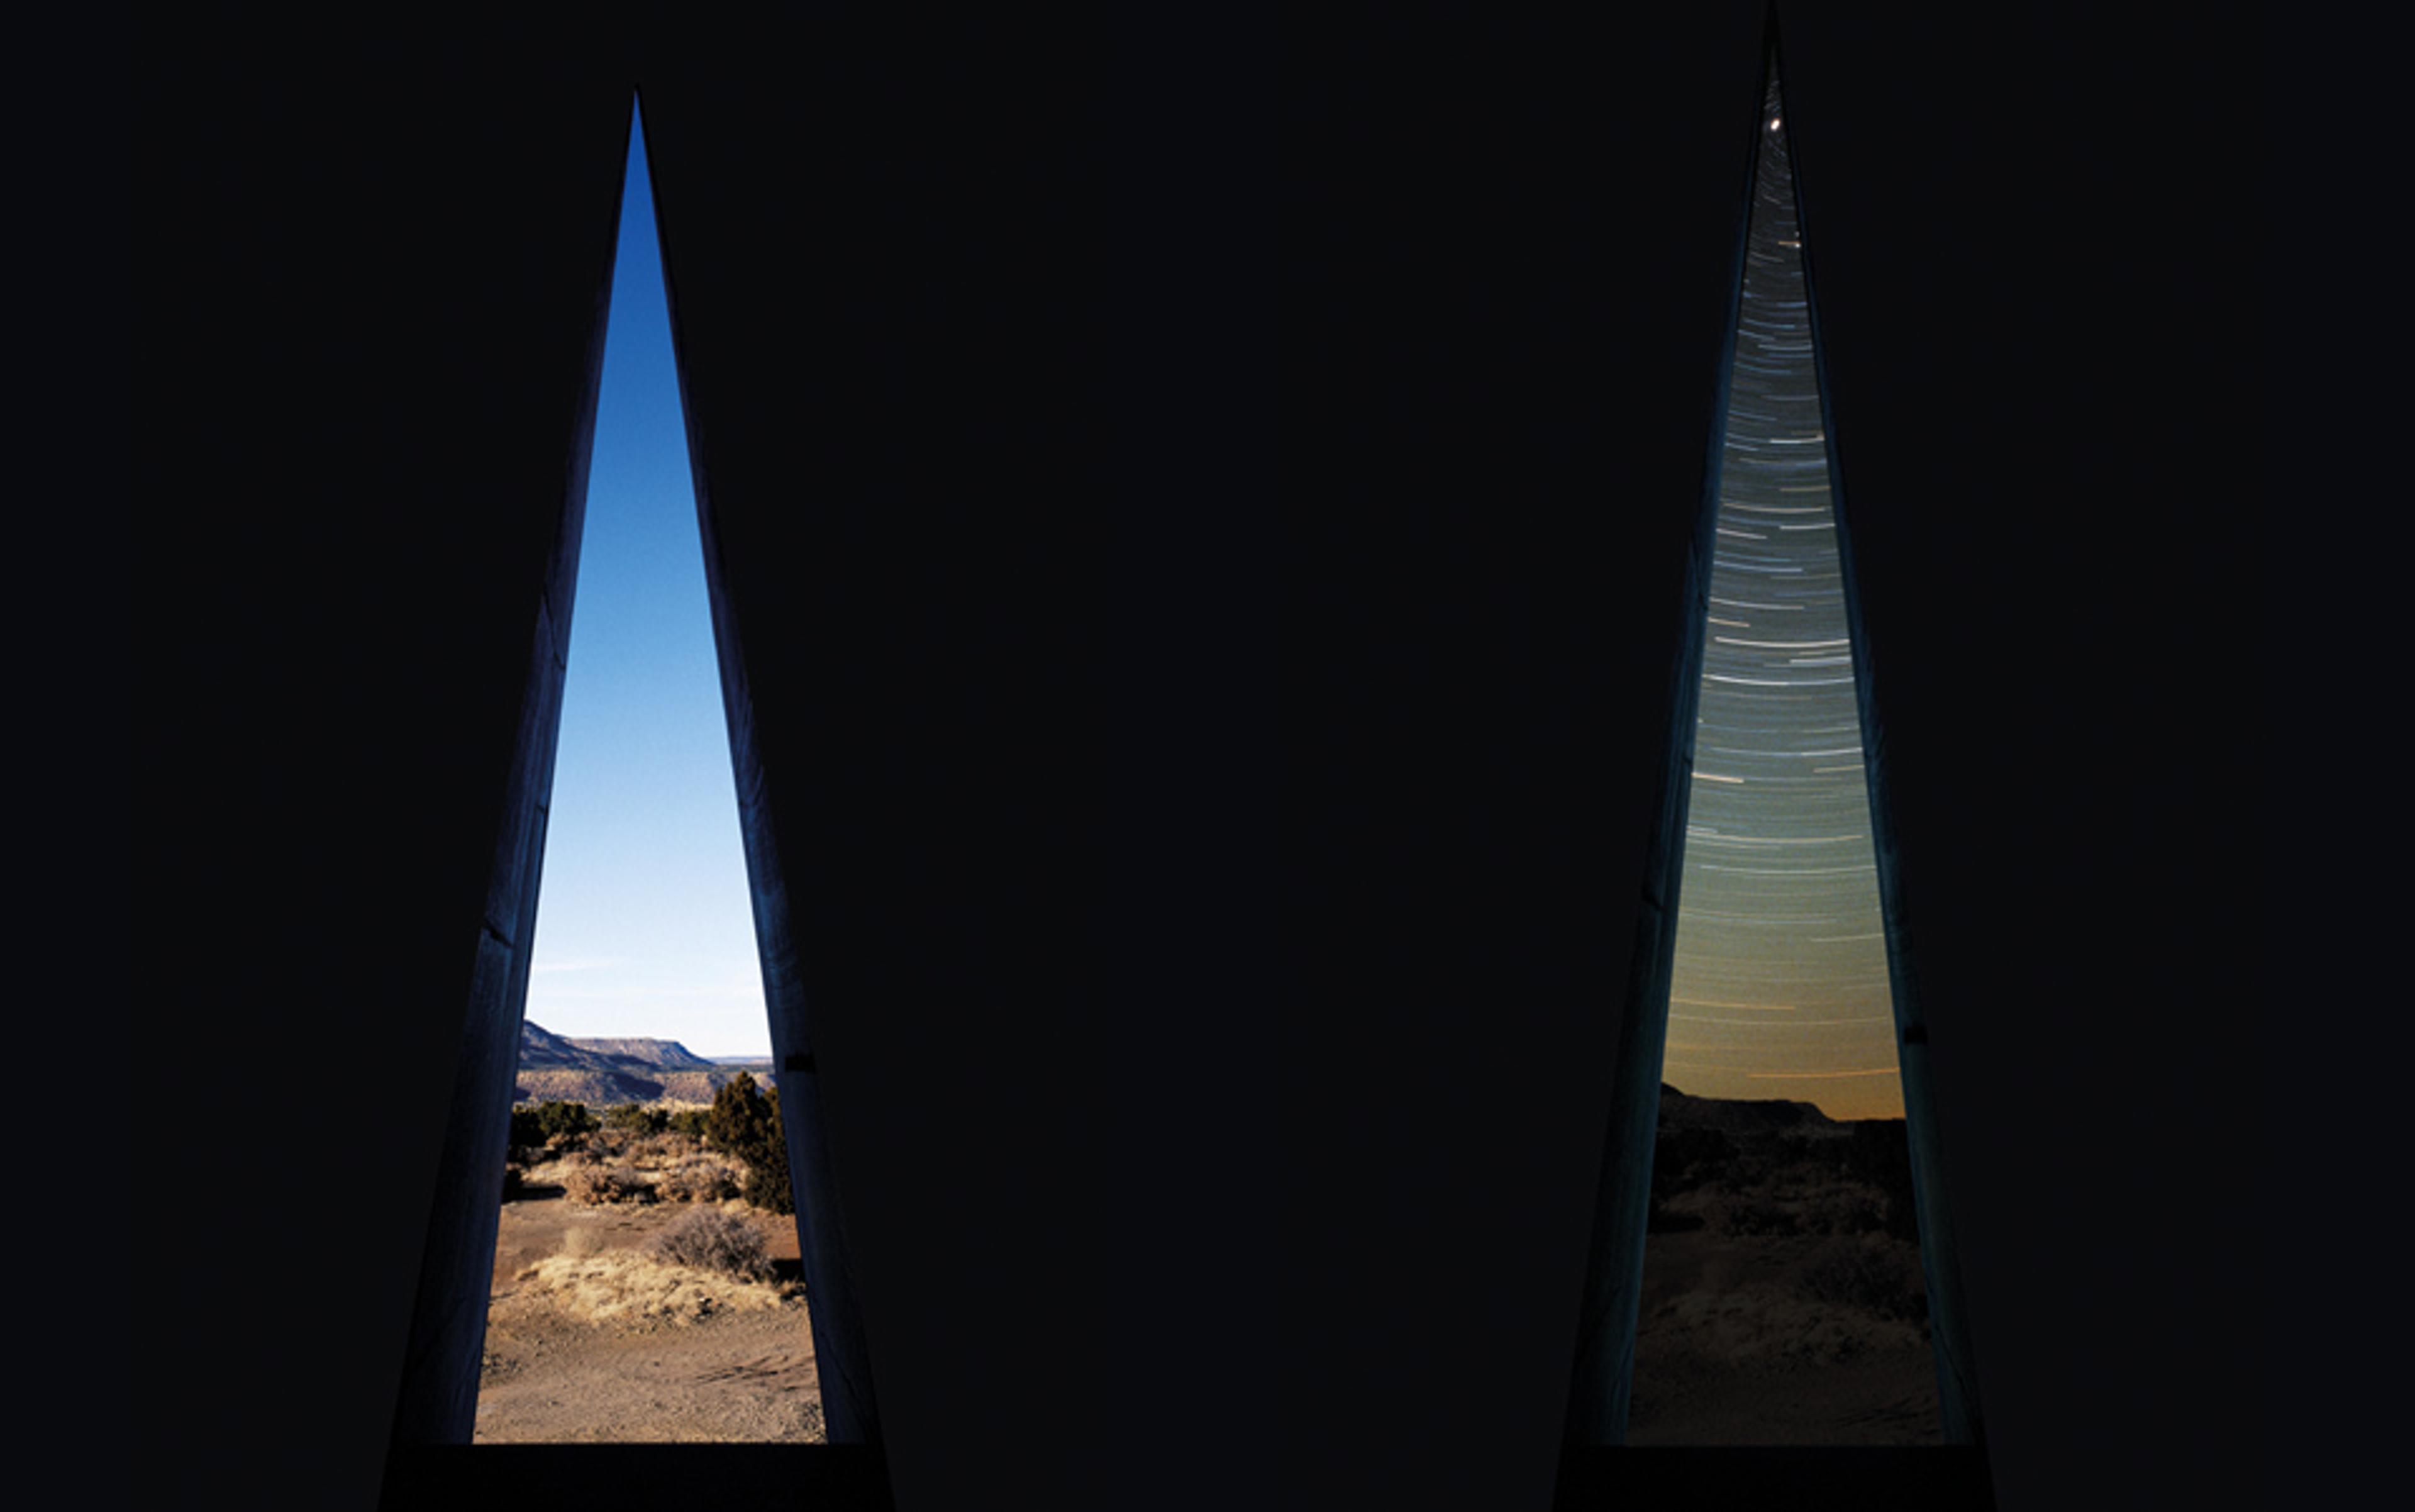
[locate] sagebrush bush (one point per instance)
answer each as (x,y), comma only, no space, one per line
(1856,1213)
(712,1238)
(1874,1274)
(700,1180)
(597,1184)
(1753,1218)
(666,1149)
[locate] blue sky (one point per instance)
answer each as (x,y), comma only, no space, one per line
(644,924)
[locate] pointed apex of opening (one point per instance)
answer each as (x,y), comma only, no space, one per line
(1773,111)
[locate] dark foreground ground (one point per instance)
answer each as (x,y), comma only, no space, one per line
(1782,1299)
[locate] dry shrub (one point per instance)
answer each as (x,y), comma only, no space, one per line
(579,1243)
(1686,1159)
(1855,1210)
(712,1238)
(1873,1273)
(1755,1218)
(626,1287)
(667,1149)
(700,1179)
(1663,1218)
(597,1184)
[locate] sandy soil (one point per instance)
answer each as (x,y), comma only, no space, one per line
(715,1363)
(1728,1351)
(1782,1299)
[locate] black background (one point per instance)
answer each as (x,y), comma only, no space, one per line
(1239,710)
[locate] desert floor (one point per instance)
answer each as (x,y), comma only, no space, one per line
(1729,1352)
(687,1362)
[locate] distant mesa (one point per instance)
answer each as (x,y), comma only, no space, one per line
(554,1068)
(1679,1110)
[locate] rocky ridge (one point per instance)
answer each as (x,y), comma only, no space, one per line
(555,1068)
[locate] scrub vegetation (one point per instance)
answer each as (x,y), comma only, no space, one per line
(648,1283)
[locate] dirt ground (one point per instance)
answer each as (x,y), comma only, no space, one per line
(1729,1352)
(737,1367)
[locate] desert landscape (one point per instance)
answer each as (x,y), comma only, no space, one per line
(1782,1298)
(601,1072)
(647,1284)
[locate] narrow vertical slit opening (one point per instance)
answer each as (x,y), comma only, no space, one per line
(1782,1299)
(648,1276)
(1771,1260)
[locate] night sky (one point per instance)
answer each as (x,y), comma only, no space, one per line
(1781,987)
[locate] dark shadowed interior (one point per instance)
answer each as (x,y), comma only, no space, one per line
(1200,524)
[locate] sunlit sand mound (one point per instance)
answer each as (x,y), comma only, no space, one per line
(625,1287)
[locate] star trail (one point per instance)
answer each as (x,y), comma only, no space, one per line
(1781,988)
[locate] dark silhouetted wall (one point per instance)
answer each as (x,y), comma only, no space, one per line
(1202,515)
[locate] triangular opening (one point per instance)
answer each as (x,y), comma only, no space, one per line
(1784,1298)
(648,1275)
